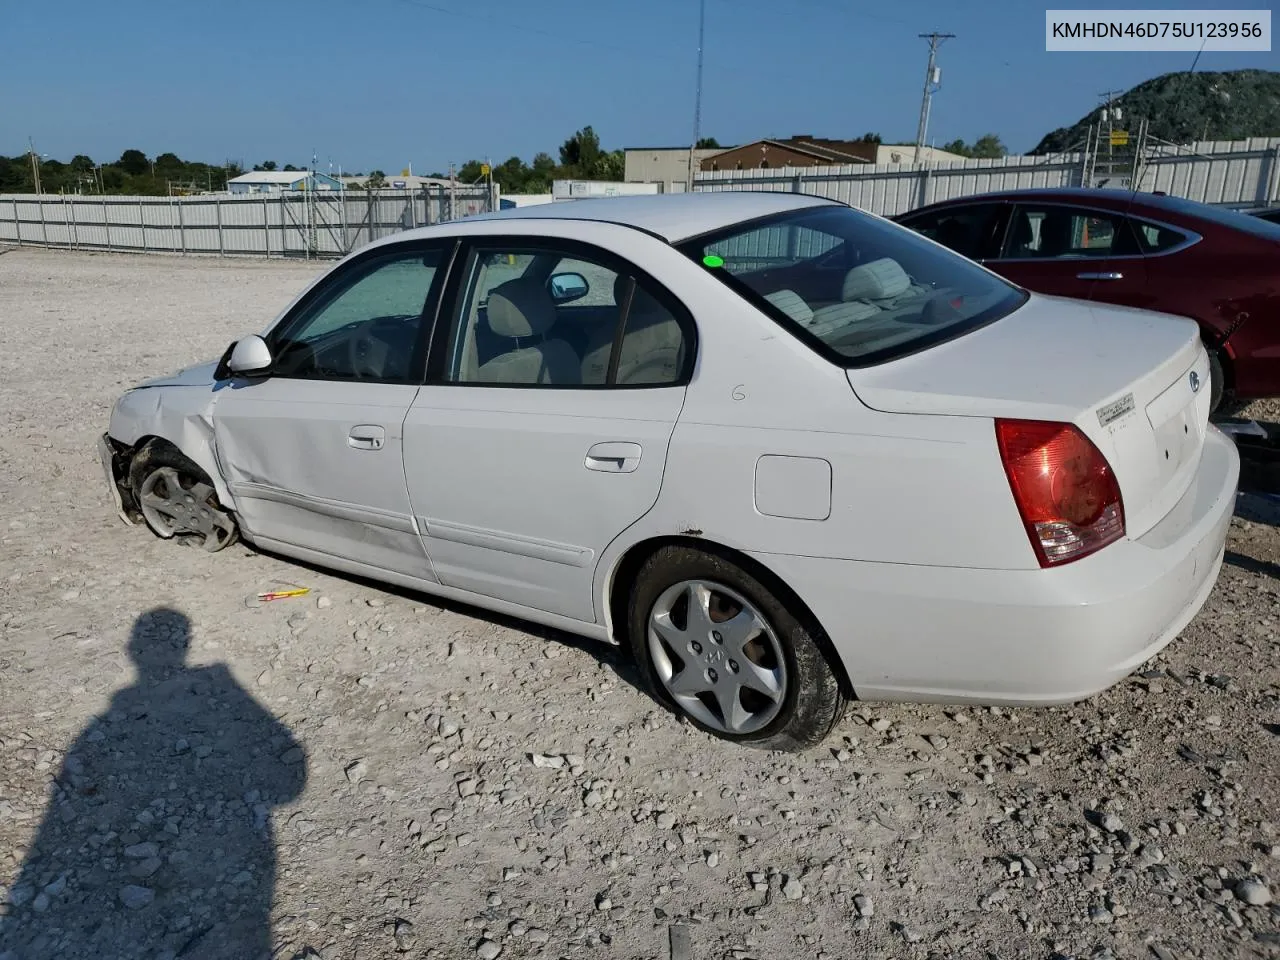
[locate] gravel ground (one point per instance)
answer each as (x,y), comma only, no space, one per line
(365,773)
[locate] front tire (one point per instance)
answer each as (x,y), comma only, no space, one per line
(177,499)
(724,651)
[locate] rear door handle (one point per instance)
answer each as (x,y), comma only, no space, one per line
(614,457)
(1106,275)
(367,436)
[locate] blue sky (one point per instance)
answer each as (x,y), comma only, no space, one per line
(384,83)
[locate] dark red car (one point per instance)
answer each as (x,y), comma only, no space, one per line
(1152,251)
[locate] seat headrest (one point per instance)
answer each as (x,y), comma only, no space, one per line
(520,308)
(790,303)
(876,280)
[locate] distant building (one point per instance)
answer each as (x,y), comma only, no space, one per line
(906,153)
(805,150)
(406,182)
(282,181)
(510,201)
(582,189)
(668,166)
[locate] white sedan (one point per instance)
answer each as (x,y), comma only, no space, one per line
(786,452)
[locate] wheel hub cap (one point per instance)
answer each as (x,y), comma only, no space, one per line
(717,656)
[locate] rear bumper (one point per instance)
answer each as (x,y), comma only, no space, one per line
(947,634)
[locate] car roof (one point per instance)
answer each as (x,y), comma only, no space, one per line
(1114,195)
(673,217)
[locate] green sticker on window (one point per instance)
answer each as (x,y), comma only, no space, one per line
(711,260)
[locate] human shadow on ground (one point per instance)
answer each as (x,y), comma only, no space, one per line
(157,839)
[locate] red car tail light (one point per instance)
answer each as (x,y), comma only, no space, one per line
(1064,488)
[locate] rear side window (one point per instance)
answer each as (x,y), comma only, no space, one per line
(1154,238)
(859,289)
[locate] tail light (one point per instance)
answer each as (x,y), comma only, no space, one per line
(1065,490)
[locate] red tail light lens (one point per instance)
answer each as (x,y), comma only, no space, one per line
(1065,490)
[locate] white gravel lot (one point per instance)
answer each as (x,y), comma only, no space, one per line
(349,774)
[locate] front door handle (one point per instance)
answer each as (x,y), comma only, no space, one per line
(614,457)
(367,436)
(1107,275)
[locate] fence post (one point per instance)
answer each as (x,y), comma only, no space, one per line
(346,237)
(17,224)
(1273,187)
(368,199)
(44,227)
(217,207)
(142,223)
(106,221)
(924,186)
(182,229)
(73,235)
(797,186)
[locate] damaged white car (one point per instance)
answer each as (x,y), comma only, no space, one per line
(786,452)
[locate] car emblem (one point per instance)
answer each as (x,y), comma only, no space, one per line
(1195,382)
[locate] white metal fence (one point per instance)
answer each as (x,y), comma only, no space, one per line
(1244,174)
(318,224)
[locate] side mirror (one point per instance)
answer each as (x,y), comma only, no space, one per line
(250,355)
(567,287)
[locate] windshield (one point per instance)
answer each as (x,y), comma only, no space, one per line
(859,289)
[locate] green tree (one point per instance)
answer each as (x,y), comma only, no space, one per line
(81,163)
(377,180)
(470,172)
(512,175)
(268,166)
(610,166)
(708,143)
(133,162)
(580,153)
(871,138)
(987,146)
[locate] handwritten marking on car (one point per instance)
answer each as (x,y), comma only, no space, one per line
(737,393)
(1115,410)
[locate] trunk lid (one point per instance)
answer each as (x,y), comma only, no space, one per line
(1135,382)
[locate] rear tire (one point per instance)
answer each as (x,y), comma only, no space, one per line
(721,649)
(177,499)
(1217,383)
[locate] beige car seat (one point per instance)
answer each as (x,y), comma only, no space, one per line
(522,309)
(652,347)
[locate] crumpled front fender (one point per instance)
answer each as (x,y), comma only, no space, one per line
(182,415)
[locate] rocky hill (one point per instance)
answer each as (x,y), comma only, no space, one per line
(1183,107)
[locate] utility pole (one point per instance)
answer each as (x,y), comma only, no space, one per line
(35,165)
(931,77)
(1107,99)
(697,97)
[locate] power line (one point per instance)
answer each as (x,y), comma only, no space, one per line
(931,77)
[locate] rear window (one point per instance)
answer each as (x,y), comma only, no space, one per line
(859,289)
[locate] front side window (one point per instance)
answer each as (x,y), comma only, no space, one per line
(861,290)
(543,316)
(365,324)
(966,230)
(1057,233)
